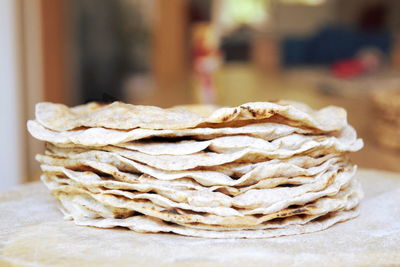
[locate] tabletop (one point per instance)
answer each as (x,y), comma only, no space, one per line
(33,233)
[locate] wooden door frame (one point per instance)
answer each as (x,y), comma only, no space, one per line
(55,37)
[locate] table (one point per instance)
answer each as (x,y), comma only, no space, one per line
(33,233)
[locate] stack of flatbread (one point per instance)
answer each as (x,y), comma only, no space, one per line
(387,125)
(257,170)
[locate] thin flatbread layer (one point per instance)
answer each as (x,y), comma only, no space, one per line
(320,206)
(345,139)
(212,175)
(199,199)
(206,197)
(341,181)
(61,185)
(176,188)
(78,207)
(102,136)
(127,172)
(125,116)
(146,224)
(205,159)
(148,208)
(346,199)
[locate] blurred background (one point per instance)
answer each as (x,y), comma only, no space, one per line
(225,52)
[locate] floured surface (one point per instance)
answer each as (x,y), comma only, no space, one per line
(33,233)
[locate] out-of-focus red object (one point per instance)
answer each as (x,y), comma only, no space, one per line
(348,68)
(368,60)
(206,59)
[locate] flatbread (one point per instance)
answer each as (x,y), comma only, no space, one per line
(318,207)
(202,197)
(257,170)
(346,199)
(346,139)
(184,190)
(105,163)
(122,116)
(205,159)
(147,224)
(102,136)
(136,203)
(290,225)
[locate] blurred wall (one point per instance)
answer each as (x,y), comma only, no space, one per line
(298,19)
(348,12)
(11,156)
